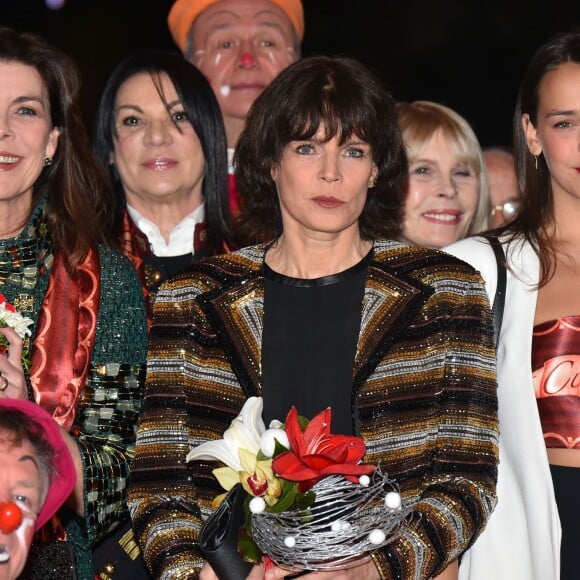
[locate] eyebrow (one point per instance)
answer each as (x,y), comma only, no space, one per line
(423,160)
(462,162)
(140,110)
(557,113)
(262,26)
(27,98)
(29,458)
(313,139)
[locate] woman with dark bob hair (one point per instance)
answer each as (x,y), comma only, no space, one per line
(533,535)
(160,136)
(395,339)
(268,135)
(82,357)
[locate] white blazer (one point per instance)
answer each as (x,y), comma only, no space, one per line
(522,538)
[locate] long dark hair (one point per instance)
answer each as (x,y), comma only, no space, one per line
(203,111)
(345,98)
(536,216)
(75,185)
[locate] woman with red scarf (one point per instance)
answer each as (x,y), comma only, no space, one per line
(84,359)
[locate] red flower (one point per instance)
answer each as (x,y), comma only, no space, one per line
(315,453)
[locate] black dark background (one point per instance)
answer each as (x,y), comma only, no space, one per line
(466,54)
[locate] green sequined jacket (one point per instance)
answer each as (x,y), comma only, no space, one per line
(110,402)
(423,399)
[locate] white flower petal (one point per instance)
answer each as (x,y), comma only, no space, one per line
(246,429)
(216,451)
(251,415)
(239,435)
(243,433)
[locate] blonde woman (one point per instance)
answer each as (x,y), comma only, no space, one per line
(448,193)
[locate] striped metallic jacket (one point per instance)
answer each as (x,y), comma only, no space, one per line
(423,399)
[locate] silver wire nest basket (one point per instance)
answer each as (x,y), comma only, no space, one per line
(346,522)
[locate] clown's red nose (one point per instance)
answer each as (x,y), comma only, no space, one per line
(247,59)
(10,517)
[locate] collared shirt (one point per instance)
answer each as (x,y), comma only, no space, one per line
(180,238)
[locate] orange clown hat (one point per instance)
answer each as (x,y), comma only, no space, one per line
(184,12)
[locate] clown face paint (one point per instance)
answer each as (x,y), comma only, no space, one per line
(243,45)
(21,482)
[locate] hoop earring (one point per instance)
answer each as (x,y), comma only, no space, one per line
(48,161)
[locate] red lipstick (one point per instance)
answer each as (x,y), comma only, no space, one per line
(327,201)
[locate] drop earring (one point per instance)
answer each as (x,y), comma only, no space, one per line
(536,161)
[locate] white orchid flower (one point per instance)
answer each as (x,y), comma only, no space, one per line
(243,435)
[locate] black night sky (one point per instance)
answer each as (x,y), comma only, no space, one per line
(466,54)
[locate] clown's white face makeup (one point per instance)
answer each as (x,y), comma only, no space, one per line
(23,483)
(240,46)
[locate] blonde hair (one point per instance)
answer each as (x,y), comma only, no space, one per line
(420,120)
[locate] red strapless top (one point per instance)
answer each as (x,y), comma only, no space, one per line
(556,374)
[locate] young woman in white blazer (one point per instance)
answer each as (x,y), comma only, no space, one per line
(533,531)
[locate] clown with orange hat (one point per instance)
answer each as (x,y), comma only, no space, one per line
(240,46)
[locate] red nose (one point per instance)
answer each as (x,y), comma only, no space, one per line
(10,517)
(247,59)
